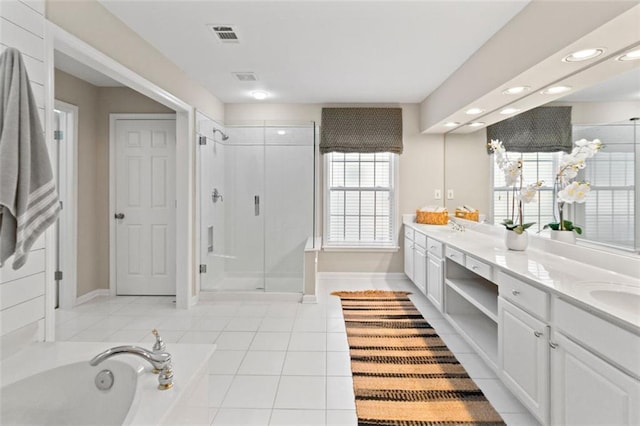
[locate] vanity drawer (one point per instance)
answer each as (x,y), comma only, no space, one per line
(526,296)
(408,233)
(455,255)
(434,247)
(478,267)
(420,239)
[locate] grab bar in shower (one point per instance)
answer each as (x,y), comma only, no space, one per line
(256,205)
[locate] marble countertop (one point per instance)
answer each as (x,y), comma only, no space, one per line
(594,288)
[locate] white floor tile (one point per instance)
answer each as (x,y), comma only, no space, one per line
(243,324)
(301,392)
(251,392)
(297,418)
(498,395)
(338,364)
(282,310)
(82,322)
(209,323)
(199,337)
(276,324)
(311,325)
(225,362)
(218,388)
(252,311)
(178,324)
(262,363)
(442,326)
(337,342)
(475,366)
(112,322)
(519,419)
(342,418)
(457,344)
(63,334)
(234,340)
(336,325)
(144,323)
(241,417)
(305,364)
(308,342)
(272,341)
(340,394)
(91,336)
(168,336)
(219,310)
(127,336)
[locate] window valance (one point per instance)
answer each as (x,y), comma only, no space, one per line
(542,129)
(361,130)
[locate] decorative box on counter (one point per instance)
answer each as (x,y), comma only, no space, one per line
(432,216)
(468,213)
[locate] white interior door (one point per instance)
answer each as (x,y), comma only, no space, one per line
(145,202)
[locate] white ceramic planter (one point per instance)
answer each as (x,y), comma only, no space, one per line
(517,242)
(564,236)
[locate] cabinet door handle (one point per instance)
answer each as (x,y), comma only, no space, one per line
(553,345)
(515,292)
(474,267)
(432,247)
(537,333)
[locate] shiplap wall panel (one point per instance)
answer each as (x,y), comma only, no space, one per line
(35,264)
(35,67)
(30,44)
(22,303)
(24,16)
(18,316)
(15,292)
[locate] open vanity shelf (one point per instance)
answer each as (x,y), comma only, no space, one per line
(471,304)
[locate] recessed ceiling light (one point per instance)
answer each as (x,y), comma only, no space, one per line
(516,90)
(476,124)
(282,132)
(633,55)
(474,111)
(509,111)
(583,55)
(260,95)
(451,124)
(555,90)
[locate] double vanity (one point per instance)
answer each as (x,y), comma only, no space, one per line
(556,324)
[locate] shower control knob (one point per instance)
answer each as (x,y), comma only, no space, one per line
(119,215)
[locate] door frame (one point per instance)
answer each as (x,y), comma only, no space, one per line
(58,39)
(112,187)
(69,213)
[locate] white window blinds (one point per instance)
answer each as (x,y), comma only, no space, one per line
(360,207)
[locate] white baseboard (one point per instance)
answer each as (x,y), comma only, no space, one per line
(362,275)
(309,299)
(92,295)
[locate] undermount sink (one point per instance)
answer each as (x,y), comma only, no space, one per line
(622,300)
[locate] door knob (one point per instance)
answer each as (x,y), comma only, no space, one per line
(119,215)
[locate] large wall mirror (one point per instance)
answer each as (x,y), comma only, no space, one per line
(609,217)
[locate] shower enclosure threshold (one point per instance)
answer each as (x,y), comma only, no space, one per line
(257,295)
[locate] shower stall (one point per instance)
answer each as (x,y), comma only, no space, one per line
(257,204)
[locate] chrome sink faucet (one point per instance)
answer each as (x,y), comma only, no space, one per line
(160,360)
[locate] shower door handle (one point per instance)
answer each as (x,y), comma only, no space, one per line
(256,205)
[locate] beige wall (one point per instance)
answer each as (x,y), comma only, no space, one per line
(467,171)
(92,23)
(94,105)
(421,172)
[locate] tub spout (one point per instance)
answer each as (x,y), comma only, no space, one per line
(159,360)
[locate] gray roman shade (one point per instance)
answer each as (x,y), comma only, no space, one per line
(361,130)
(542,129)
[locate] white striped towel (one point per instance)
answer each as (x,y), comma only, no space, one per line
(28,197)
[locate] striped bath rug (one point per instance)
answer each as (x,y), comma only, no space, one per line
(403,373)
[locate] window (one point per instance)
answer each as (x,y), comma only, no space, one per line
(535,166)
(360,199)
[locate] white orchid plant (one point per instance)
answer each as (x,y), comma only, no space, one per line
(568,190)
(522,194)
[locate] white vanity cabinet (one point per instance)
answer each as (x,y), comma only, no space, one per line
(435,273)
(408,252)
(415,258)
(523,357)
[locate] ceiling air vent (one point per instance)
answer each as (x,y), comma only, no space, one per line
(245,76)
(224,33)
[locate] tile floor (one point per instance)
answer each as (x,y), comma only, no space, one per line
(276,362)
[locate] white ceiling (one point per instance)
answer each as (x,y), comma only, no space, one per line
(83,72)
(319,51)
(623,87)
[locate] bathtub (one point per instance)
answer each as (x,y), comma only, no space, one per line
(53,384)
